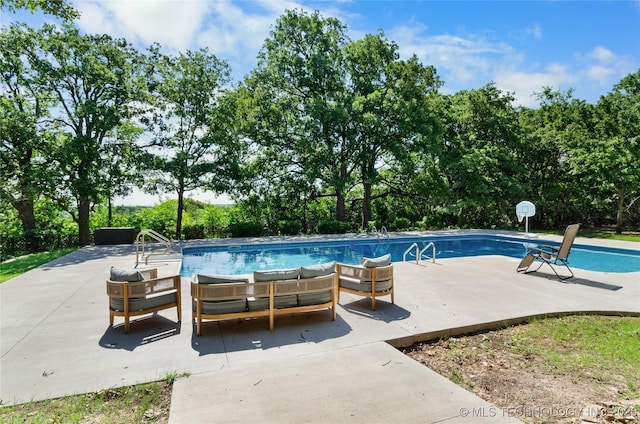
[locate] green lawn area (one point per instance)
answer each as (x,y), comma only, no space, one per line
(14,267)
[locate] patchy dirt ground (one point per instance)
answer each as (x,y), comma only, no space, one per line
(525,386)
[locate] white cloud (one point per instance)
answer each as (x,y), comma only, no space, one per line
(525,84)
(534,30)
(470,61)
(172,23)
(602,54)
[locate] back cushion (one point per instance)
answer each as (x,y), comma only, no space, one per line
(118,274)
(276,275)
(319,270)
(376,262)
(220,279)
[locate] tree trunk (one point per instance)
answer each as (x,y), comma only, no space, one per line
(26,213)
(366,205)
(620,214)
(340,206)
(109,212)
(84,208)
(179,218)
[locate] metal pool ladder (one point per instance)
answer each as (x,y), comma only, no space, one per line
(140,245)
(421,252)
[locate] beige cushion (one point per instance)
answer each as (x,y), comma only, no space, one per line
(319,270)
(220,279)
(118,274)
(376,262)
(364,286)
(142,303)
(276,275)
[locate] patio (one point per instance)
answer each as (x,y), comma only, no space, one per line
(56,340)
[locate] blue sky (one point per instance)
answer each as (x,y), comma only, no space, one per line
(522,46)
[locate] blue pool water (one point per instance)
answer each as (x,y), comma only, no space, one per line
(244,259)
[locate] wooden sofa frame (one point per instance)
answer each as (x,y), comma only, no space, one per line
(256,290)
(143,290)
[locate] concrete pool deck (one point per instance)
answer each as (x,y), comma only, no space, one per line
(55,340)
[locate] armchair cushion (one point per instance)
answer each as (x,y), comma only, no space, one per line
(118,274)
(142,303)
(377,262)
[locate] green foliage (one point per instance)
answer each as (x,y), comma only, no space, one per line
(332,226)
(326,134)
(400,224)
(289,227)
(246,229)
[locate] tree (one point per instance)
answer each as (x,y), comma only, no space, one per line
(23,108)
(478,159)
(191,125)
(59,8)
(298,110)
(390,114)
(95,82)
(609,159)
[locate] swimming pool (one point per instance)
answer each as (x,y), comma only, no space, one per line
(245,258)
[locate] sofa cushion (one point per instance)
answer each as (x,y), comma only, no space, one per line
(376,262)
(220,279)
(118,274)
(222,307)
(314,298)
(139,304)
(279,302)
(276,275)
(319,270)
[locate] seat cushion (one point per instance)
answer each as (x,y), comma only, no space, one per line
(376,262)
(280,302)
(364,286)
(222,307)
(314,298)
(118,274)
(319,270)
(139,304)
(276,275)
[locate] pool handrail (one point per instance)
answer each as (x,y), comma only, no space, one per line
(419,253)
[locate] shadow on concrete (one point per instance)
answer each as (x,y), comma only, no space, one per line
(253,334)
(143,331)
(575,280)
(385,311)
(88,253)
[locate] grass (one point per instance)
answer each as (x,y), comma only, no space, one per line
(598,347)
(14,267)
(133,404)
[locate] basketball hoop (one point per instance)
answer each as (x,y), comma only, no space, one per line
(524,210)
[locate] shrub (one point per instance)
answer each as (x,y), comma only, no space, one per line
(402,223)
(332,226)
(246,229)
(194,231)
(289,228)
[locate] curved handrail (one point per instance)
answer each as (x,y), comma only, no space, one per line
(433,256)
(140,240)
(419,254)
(404,256)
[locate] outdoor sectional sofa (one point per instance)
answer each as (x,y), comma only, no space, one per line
(274,292)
